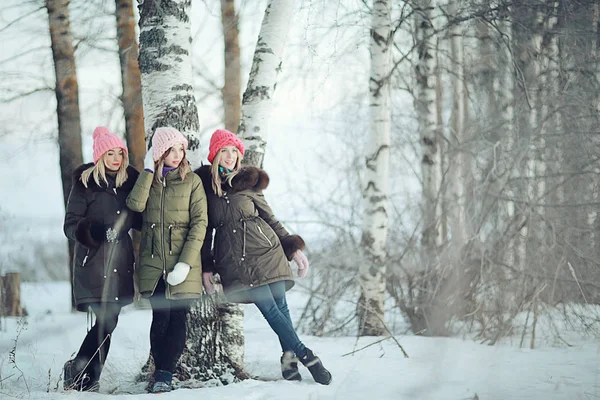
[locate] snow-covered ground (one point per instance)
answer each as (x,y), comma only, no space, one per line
(438,368)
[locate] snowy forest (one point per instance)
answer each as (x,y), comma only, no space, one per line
(438,156)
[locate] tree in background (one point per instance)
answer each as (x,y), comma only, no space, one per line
(372,270)
(67,98)
(131,83)
(232,88)
(266,64)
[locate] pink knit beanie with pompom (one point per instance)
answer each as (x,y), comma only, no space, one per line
(104,140)
(221,138)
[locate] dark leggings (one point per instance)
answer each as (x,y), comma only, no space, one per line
(96,344)
(168,329)
(270,300)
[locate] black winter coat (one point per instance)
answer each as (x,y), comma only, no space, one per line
(103,264)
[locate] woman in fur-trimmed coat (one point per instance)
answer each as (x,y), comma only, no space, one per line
(98,221)
(252,250)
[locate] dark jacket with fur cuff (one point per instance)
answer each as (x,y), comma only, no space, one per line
(251,248)
(98,220)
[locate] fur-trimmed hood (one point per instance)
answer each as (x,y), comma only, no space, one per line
(248,178)
(132,175)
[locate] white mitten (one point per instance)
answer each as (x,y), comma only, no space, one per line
(149,160)
(179,273)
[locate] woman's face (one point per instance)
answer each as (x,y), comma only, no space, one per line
(229,156)
(113,159)
(175,156)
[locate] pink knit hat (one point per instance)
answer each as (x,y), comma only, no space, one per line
(221,138)
(164,138)
(104,141)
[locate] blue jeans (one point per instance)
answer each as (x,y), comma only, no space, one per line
(270,300)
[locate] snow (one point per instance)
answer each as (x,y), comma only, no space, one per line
(437,368)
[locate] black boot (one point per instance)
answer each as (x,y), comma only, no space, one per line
(289,366)
(316,368)
(75,376)
(162,381)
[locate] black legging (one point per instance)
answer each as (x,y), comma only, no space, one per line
(168,329)
(95,346)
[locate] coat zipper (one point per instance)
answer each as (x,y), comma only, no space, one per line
(262,233)
(85,258)
(152,241)
(162,227)
(170,241)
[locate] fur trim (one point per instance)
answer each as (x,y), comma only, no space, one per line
(132,175)
(291,244)
(88,231)
(248,178)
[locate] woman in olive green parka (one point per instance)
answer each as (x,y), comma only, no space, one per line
(173,203)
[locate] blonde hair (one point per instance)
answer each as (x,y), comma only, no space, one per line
(183,168)
(216,176)
(98,172)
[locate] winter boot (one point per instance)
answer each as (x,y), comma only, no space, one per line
(289,366)
(75,376)
(162,381)
(316,368)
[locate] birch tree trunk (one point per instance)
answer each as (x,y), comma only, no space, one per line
(67,100)
(459,165)
(372,270)
(166,70)
(421,315)
(131,82)
(232,87)
(266,64)
(427,130)
(212,349)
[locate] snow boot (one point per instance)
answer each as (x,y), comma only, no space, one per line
(75,376)
(162,381)
(289,366)
(316,368)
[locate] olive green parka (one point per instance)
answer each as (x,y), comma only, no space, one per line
(174,216)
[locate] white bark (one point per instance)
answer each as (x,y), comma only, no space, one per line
(375,192)
(166,67)
(425,104)
(266,64)
(459,176)
(505,87)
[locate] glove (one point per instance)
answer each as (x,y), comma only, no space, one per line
(302,262)
(90,232)
(207,282)
(179,273)
(149,161)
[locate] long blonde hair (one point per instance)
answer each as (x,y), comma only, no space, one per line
(216,176)
(98,172)
(183,168)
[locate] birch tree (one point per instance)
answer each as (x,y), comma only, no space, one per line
(232,87)
(131,83)
(266,64)
(431,159)
(372,270)
(459,163)
(212,349)
(166,69)
(67,98)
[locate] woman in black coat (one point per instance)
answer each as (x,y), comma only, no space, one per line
(98,220)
